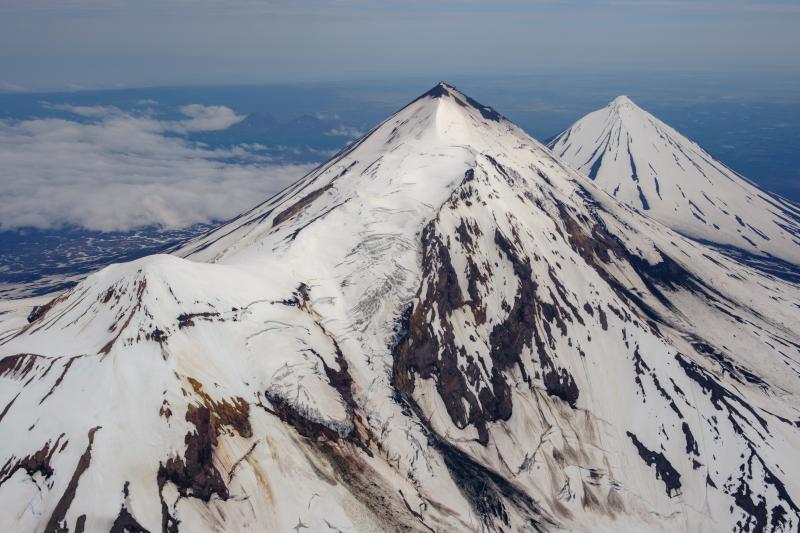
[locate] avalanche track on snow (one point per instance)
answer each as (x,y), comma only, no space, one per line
(443,328)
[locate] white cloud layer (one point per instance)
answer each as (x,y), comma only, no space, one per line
(121,171)
(206,118)
(345,131)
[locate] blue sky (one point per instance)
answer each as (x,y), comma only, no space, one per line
(54,44)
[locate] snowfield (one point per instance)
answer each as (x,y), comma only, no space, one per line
(443,328)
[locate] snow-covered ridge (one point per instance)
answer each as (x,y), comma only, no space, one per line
(443,328)
(648,165)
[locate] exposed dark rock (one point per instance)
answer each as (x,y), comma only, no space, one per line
(125,522)
(60,378)
(691,443)
(19,365)
(301,204)
(435,355)
(349,469)
(428,354)
(141,287)
(5,410)
(340,379)
(40,311)
(165,410)
(37,462)
(56,523)
(194,474)
(186,320)
(487,491)
(664,469)
(753,503)
(721,397)
(443,90)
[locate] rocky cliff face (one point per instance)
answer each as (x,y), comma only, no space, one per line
(444,328)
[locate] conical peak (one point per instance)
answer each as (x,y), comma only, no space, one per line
(647,164)
(623,109)
(441,89)
(622,101)
(445,90)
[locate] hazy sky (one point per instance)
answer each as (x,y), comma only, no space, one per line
(47,44)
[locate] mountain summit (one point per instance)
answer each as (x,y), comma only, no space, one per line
(443,328)
(648,165)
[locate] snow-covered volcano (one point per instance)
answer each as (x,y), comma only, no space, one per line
(646,164)
(443,328)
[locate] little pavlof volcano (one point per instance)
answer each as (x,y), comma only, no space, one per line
(646,164)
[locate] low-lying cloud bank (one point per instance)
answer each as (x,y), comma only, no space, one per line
(114,170)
